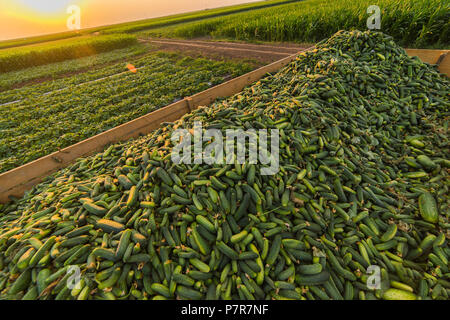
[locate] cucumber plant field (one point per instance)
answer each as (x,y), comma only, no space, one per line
(52,71)
(19,58)
(192,16)
(56,114)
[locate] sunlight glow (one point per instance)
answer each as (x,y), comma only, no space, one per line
(47,6)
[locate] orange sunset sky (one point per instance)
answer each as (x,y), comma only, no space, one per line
(24,18)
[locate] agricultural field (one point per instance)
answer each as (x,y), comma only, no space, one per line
(56,114)
(356,175)
(128,27)
(39,39)
(14,59)
(53,71)
(412,23)
(191,16)
(57,76)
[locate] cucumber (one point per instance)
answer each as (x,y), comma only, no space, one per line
(226,250)
(125,182)
(107,254)
(198,275)
(183,279)
(110,226)
(428,208)
(274,250)
(79,231)
(426,162)
(236,238)
(188,293)
(139,258)
(310,269)
(75,241)
(164,176)
(91,207)
(21,283)
(32,294)
(41,277)
(161,289)
(248,255)
(147,204)
(312,280)
(123,243)
(132,197)
(56,275)
(36,243)
(200,265)
(24,260)
(390,233)
(42,251)
(290,294)
(201,242)
(111,281)
(77,254)
(203,221)
(397,294)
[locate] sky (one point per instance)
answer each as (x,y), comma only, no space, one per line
(25,18)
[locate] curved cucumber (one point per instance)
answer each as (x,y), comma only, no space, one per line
(428,208)
(312,280)
(397,294)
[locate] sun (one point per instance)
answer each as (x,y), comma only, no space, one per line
(47,6)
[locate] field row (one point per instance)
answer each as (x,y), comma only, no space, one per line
(191,16)
(53,71)
(412,23)
(94,73)
(43,124)
(19,58)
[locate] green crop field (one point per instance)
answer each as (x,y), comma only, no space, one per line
(191,16)
(412,23)
(128,27)
(44,122)
(55,70)
(34,55)
(18,54)
(39,39)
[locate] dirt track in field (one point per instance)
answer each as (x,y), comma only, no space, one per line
(261,53)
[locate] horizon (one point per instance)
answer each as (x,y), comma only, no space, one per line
(29,18)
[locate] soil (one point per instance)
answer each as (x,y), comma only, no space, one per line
(66,74)
(261,54)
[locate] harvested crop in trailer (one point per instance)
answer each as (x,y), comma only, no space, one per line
(362,186)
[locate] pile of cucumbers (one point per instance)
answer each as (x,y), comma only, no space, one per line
(359,208)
